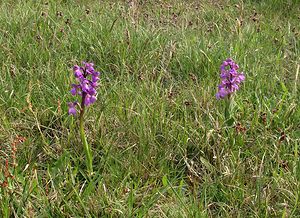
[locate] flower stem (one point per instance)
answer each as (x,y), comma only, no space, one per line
(227,107)
(87,148)
(228,111)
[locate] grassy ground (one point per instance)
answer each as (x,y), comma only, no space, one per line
(160,142)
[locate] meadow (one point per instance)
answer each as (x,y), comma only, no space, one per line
(161,144)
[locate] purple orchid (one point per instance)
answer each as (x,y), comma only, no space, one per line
(230,78)
(86,87)
(87,79)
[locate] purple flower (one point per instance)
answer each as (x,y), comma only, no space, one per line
(87,100)
(85,86)
(93,98)
(74,89)
(87,79)
(72,109)
(92,91)
(230,78)
(77,72)
(95,78)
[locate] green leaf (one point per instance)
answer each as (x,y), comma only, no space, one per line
(165,181)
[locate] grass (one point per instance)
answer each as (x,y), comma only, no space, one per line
(160,142)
